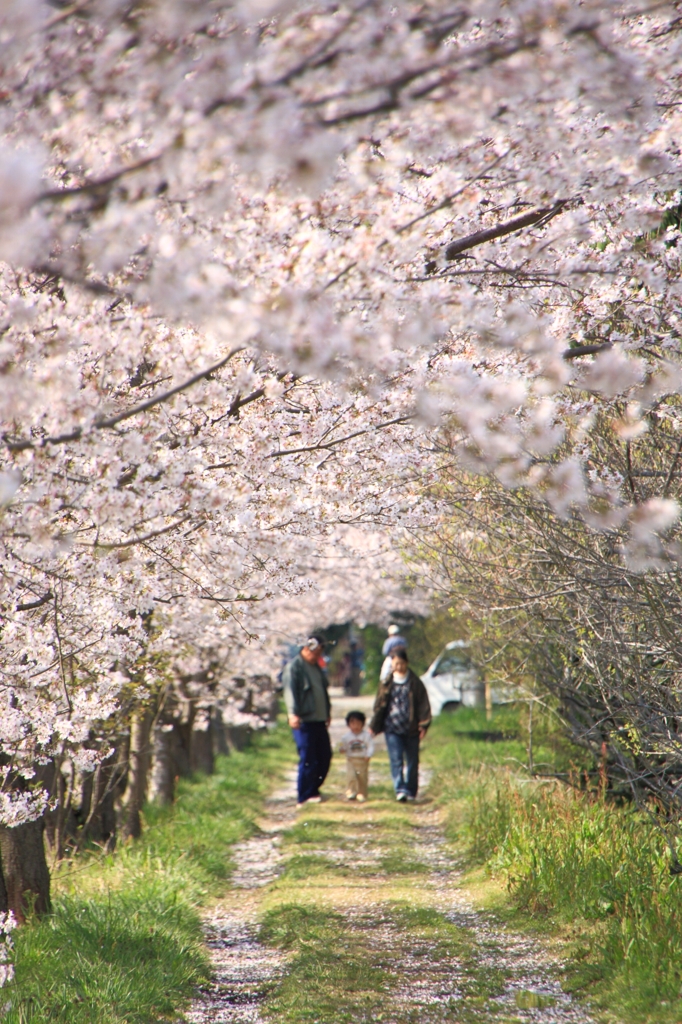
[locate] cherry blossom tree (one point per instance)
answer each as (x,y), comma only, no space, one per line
(256,257)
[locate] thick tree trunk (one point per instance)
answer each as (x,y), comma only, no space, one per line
(238,736)
(61,821)
(86,787)
(102,826)
(162,781)
(182,728)
(218,734)
(138,770)
(97,805)
(49,776)
(24,869)
(201,749)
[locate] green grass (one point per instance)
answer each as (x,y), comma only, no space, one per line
(123,943)
(466,738)
(448,943)
(330,976)
(302,866)
(399,862)
(594,873)
(132,958)
(314,833)
(337,971)
(583,861)
(353,911)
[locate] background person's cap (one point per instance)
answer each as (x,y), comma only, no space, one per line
(313,643)
(393,630)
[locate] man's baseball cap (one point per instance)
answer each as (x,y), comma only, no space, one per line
(314,642)
(393,630)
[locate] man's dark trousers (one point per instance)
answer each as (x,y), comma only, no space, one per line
(315,755)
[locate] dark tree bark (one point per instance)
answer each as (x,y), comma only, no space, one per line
(49,777)
(97,808)
(86,786)
(24,869)
(238,736)
(218,734)
(183,724)
(60,819)
(138,770)
(60,822)
(162,780)
(201,749)
(102,827)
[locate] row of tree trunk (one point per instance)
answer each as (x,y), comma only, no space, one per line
(178,734)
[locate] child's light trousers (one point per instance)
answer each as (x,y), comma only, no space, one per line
(357,776)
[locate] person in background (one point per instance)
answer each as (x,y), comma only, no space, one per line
(358,746)
(402,711)
(345,672)
(357,656)
(391,643)
(309,715)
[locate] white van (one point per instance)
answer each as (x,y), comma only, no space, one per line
(453,680)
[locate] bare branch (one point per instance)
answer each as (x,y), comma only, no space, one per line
(526,220)
(30,605)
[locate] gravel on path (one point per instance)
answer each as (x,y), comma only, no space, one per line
(243,968)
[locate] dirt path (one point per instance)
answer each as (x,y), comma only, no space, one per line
(244,968)
(395,937)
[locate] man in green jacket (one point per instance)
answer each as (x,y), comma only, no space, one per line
(403,712)
(309,711)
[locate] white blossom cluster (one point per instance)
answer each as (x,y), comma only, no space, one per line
(7,926)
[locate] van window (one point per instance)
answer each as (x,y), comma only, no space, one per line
(453,661)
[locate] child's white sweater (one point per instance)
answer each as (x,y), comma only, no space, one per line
(358,744)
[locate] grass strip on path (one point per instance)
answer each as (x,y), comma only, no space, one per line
(365,912)
(124,943)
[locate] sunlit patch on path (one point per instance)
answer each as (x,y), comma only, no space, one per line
(344,913)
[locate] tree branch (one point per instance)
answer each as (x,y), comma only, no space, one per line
(30,605)
(98,183)
(329,445)
(239,402)
(106,423)
(526,220)
(585,350)
(448,200)
(673,467)
(140,540)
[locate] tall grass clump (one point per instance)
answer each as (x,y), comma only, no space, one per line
(606,867)
(124,942)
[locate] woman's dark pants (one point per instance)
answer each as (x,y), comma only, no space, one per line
(315,755)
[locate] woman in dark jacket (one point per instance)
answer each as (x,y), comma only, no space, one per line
(402,711)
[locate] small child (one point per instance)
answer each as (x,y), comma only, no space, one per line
(358,746)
